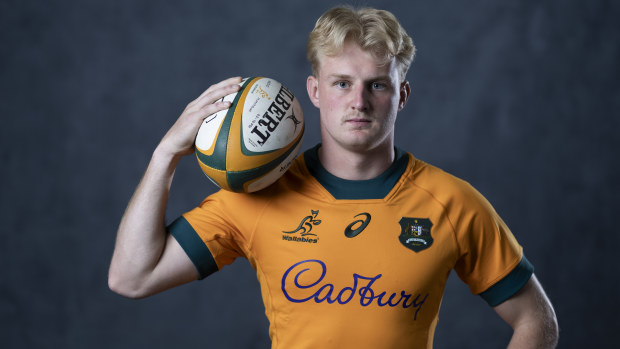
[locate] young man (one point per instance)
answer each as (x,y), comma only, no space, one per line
(354,244)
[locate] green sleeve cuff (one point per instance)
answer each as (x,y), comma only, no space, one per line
(510,284)
(193,246)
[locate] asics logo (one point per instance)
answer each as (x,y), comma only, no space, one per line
(356,227)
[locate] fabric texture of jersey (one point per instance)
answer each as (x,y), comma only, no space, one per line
(366,273)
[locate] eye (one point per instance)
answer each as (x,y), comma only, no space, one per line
(377,86)
(342,84)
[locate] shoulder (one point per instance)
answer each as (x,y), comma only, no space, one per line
(441,185)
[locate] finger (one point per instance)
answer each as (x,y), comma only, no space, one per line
(217,91)
(212,95)
(230,81)
(216,95)
(212,108)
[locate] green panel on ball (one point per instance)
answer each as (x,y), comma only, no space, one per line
(218,159)
(236,180)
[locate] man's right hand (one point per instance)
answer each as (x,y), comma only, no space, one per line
(179,140)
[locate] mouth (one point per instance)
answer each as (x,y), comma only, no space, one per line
(358,122)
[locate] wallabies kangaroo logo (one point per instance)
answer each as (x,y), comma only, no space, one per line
(305,227)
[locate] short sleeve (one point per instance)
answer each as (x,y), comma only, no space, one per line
(510,284)
(207,236)
(488,251)
(196,250)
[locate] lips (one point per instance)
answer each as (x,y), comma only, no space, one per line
(358,121)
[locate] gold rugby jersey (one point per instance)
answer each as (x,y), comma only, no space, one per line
(357,264)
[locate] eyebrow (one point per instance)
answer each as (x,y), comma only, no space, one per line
(349,77)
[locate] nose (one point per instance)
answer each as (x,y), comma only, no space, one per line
(359,98)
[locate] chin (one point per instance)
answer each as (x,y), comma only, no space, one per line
(360,146)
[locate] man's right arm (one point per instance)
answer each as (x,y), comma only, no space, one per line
(147,259)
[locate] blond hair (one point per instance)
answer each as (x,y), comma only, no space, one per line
(376,31)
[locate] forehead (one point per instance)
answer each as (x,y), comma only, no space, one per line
(352,60)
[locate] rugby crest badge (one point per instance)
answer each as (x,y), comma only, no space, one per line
(415,233)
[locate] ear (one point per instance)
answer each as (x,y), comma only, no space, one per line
(312,85)
(405,92)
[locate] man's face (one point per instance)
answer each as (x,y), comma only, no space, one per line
(358,99)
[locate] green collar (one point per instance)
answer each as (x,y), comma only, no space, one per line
(344,189)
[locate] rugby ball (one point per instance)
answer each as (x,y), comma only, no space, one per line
(250,145)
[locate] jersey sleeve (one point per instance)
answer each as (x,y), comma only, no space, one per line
(491,261)
(510,284)
(208,237)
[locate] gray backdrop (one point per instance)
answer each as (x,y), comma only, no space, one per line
(520,98)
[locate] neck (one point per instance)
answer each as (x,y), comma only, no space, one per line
(356,165)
